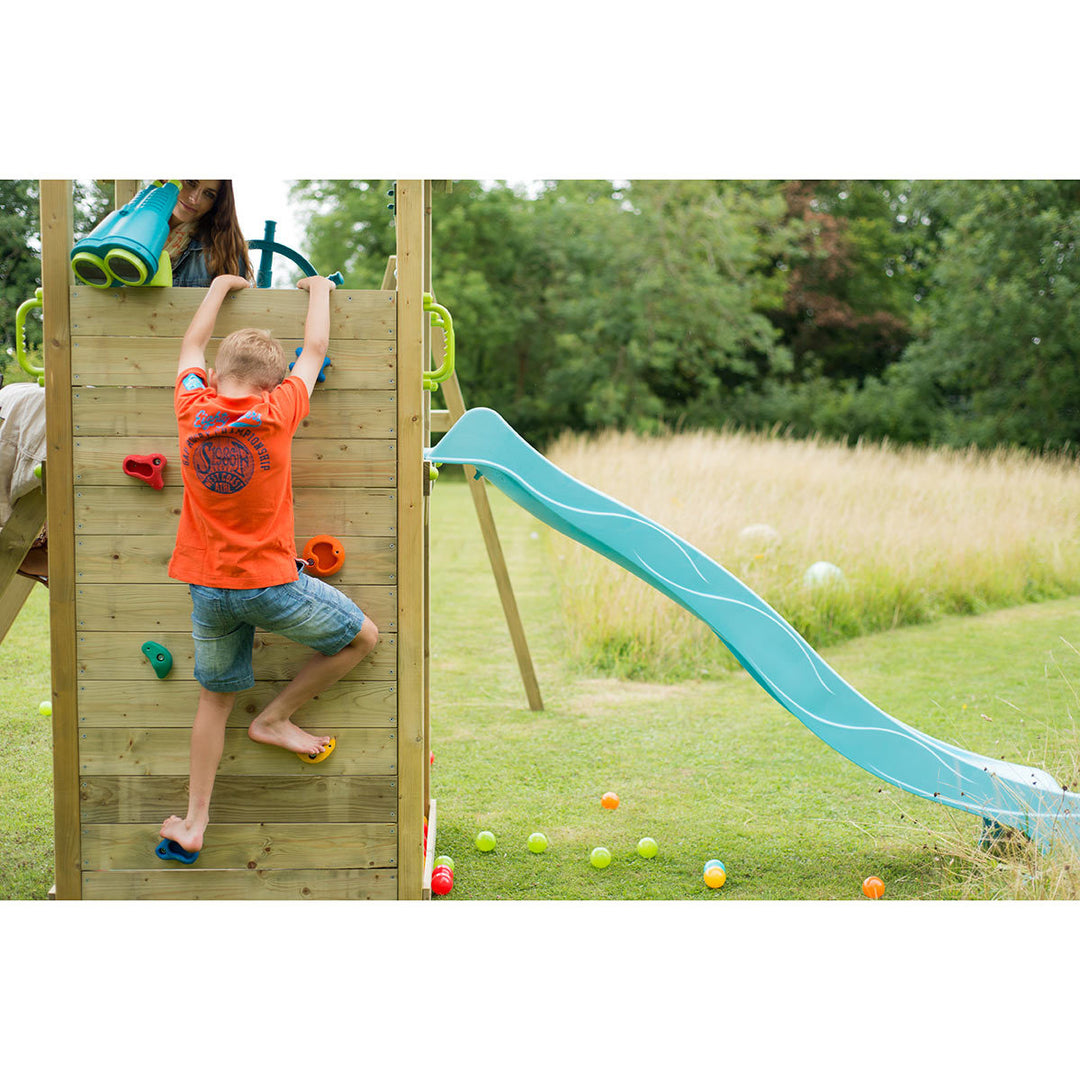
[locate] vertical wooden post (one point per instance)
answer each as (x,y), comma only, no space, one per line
(412,688)
(56,240)
(124,191)
(427,509)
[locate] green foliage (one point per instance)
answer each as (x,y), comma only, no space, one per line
(588,304)
(20,265)
(933,312)
(918,311)
(20,252)
(1003,322)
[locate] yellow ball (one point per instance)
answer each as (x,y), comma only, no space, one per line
(715,877)
(45,708)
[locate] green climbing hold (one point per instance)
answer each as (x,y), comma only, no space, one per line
(160,658)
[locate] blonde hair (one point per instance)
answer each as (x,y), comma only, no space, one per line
(255,356)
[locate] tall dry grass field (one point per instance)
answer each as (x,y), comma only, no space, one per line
(915,534)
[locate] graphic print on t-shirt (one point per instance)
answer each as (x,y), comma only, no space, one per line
(225,463)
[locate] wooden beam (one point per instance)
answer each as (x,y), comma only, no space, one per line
(427,525)
(124,191)
(56,241)
(20,531)
(432,839)
(410,440)
(16,537)
(11,601)
(451,389)
(389,280)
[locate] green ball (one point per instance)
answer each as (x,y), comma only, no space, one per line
(485,840)
(537,842)
(445,860)
(45,708)
(647,847)
(600,857)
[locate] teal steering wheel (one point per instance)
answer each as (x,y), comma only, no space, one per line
(270,247)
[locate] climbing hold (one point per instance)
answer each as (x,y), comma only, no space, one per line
(160,658)
(322,371)
(314,759)
(148,467)
(170,849)
(324,555)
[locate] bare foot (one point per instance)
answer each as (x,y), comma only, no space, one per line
(287,735)
(188,835)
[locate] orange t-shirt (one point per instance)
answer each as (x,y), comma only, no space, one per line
(236,525)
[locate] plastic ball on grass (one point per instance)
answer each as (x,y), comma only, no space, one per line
(442,881)
(714,862)
(823,573)
(609,800)
(647,847)
(444,860)
(715,877)
(485,840)
(537,842)
(45,708)
(600,857)
(874,887)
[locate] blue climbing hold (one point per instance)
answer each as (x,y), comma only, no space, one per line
(170,849)
(322,370)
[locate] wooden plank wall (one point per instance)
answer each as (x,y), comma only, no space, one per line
(280,829)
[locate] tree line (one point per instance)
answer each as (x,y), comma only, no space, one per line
(927,312)
(919,311)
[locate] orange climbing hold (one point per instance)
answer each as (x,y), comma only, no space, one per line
(324,555)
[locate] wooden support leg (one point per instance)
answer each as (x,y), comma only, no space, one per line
(456,405)
(21,530)
(12,600)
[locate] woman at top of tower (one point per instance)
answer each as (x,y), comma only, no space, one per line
(205,240)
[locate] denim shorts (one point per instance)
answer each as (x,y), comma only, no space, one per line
(307,610)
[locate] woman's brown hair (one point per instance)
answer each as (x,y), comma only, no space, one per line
(223,242)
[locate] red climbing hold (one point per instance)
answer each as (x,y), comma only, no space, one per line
(148,467)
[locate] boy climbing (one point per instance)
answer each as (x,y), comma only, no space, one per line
(235,545)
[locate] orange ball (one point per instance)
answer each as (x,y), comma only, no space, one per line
(874,887)
(609,800)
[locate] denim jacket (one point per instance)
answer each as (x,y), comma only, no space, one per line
(190,270)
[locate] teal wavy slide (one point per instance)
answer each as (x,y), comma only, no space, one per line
(769,648)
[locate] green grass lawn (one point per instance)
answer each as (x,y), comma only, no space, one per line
(26,840)
(711,769)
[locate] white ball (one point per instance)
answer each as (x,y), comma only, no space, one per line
(823,573)
(761,536)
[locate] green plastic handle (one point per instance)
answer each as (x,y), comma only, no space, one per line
(440,317)
(20,337)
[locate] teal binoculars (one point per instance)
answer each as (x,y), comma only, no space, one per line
(126,248)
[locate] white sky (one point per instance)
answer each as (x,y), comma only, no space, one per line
(260,198)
